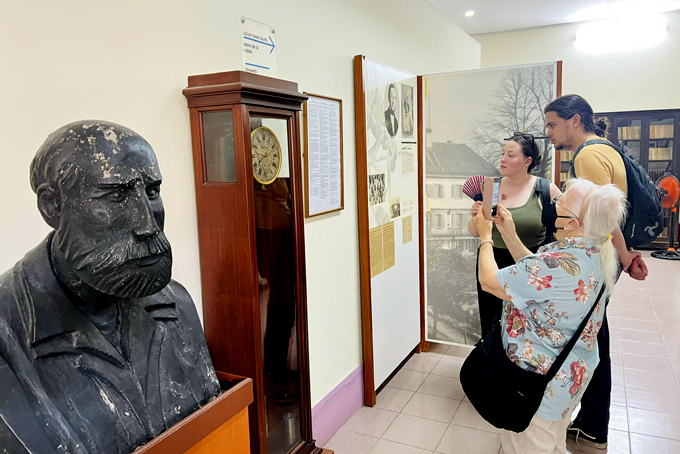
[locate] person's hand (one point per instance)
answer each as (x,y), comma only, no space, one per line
(483,226)
(626,259)
(638,269)
(504,222)
(475,208)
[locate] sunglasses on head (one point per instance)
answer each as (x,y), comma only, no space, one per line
(524,135)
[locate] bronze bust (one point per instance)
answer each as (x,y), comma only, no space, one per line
(100,351)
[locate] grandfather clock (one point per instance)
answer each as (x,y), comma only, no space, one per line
(247,168)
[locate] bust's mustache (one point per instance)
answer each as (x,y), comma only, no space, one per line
(83,253)
(119,264)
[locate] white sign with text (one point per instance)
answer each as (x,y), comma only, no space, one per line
(258,42)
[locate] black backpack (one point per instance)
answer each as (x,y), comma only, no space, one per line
(644,221)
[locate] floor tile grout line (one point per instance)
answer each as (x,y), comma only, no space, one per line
(652,411)
(642,342)
(401,412)
(429,419)
(648,389)
(399,443)
(437,395)
(654,436)
(636,330)
(474,428)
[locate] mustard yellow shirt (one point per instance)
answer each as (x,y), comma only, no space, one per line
(602,165)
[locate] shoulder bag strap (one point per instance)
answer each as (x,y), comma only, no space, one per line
(565,351)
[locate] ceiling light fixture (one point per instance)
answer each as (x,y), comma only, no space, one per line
(623,8)
(469,13)
(622,34)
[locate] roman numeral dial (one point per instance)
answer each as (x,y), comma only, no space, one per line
(266,155)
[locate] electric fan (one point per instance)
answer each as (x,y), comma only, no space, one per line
(669,188)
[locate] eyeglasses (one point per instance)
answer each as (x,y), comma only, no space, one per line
(554,201)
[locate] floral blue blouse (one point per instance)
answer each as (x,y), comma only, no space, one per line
(550,294)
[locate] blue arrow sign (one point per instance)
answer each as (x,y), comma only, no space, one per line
(257,66)
(263,42)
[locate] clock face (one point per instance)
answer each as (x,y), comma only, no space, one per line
(266,155)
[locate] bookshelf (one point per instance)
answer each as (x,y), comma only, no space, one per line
(651,138)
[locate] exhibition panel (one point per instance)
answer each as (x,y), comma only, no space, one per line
(388,192)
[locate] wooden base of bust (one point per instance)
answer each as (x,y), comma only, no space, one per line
(221,426)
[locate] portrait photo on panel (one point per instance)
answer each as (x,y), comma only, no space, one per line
(391,122)
(407,113)
(395,208)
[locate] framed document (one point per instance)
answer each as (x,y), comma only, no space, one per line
(324,183)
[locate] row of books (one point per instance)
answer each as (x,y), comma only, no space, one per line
(630,132)
(655,132)
(566,155)
(661,131)
(660,153)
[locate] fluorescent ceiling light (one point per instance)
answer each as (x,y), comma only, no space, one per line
(623,8)
(622,34)
(469,13)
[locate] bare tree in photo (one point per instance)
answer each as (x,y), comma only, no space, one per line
(452,300)
(517,106)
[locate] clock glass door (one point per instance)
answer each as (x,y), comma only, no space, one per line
(276,268)
(218,140)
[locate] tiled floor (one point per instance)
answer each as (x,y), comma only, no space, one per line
(423,409)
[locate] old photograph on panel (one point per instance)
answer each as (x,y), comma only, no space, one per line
(391,122)
(376,188)
(395,208)
(468,117)
(407,129)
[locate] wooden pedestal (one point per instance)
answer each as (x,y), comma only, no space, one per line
(221,426)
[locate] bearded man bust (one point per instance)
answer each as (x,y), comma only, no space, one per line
(100,351)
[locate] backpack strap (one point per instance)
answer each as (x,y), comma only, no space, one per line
(572,170)
(543,190)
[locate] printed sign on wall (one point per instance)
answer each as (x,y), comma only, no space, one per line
(258,41)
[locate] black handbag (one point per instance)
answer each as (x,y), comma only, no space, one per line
(503,393)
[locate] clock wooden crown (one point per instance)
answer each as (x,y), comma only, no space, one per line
(240,87)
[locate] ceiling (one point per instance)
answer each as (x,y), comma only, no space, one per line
(503,15)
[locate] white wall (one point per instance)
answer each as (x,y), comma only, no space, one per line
(637,80)
(128,61)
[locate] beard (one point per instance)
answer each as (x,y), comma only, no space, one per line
(568,140)
(111,265)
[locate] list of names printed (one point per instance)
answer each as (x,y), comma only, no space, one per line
(324,155)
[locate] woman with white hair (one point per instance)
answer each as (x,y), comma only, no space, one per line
(546,297)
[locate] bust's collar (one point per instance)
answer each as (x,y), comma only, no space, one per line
(54,324)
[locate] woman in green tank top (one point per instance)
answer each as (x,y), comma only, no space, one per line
(518,192)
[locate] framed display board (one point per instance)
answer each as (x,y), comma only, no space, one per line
(468,116)
(324,181)
(388,191)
